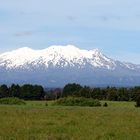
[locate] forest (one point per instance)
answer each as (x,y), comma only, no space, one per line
(37,92)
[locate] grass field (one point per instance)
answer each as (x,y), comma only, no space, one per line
(35,121)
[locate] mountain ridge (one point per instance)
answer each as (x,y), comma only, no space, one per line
(58,65)
(69,53)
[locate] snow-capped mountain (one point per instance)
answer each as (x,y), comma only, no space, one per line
(57,56)
(58,65)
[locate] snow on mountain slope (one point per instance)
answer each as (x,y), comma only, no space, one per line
(58,65)
(60,56)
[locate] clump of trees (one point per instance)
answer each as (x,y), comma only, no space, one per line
(27,92)
(108,93)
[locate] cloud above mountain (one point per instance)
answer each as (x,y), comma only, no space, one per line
(26,33)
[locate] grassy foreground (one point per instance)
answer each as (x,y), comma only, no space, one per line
(35,121)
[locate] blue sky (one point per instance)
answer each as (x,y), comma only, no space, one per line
(113,26)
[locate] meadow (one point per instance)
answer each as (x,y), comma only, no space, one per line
(35,121)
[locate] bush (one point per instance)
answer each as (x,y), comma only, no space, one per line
(138,101)
(46,104)
(75,101)
(105,104)
(12,101)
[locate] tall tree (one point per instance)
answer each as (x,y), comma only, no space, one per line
(4,91)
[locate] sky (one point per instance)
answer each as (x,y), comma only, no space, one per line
(113,26)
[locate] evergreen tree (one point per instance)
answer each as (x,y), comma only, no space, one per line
(71,90)
(4,91)
(15,90)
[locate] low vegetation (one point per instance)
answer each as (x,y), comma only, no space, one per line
(63,118)
(12,101)
(75,101)
(35,121)
(105,104)
(138,101)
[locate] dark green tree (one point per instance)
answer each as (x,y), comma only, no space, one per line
(85,92)
(4,91)
(71,90)
(15,90)
(31,92)
(138,101)
(112,94)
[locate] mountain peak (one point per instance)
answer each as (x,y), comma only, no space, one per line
(24,49)
(96,51)
(58,47)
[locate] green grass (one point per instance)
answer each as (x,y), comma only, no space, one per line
(35,121)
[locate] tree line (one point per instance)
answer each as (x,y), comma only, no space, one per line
(108,93)
(37,92)
(27,91)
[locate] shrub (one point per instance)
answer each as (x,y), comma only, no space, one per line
(12,101)
(138,102)
(46,104)
(105,104)
(75,101)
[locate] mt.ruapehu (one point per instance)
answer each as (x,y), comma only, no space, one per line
(58,65)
